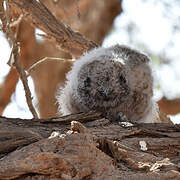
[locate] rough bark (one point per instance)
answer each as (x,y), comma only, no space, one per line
(42,18)
(99,149)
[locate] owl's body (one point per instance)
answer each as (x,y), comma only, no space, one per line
(116,81)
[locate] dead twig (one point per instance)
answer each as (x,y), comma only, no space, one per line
(15,62)
(35,65)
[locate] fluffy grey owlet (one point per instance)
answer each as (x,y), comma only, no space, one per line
(116,81)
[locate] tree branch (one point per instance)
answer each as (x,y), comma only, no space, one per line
(16,63)
(42,18)
(171,107)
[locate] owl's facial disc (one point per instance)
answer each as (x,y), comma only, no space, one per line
(102,84)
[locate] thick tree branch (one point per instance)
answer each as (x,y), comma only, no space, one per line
(8,88)
(42,18)
(171,107)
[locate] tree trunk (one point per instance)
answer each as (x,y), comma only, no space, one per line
(97,149)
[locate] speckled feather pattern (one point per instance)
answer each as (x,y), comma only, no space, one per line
(115,81)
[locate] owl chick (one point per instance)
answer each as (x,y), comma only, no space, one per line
(116,81)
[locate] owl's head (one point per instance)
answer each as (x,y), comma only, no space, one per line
(102,83)
(102,78)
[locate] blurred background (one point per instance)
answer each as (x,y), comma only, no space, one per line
(147,25)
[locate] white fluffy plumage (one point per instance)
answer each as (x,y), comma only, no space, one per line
(116,81)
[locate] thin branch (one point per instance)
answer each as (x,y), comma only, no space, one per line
(16,63)
(11,57)
(2,16)
(35,65)
(17,22)
(65,37)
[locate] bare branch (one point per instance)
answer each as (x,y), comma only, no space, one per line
(35,65)
(16,63)
(41,17)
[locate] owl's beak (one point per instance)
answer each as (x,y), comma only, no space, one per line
(106,94)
